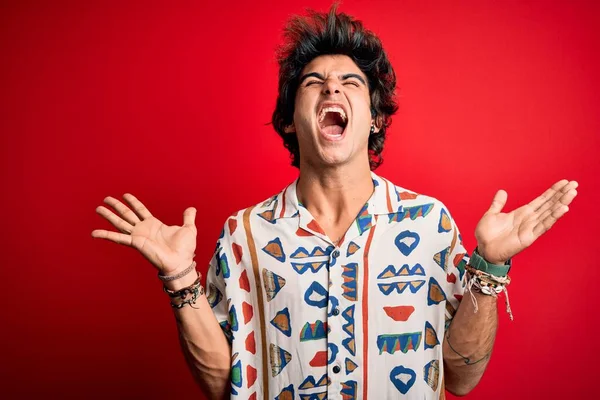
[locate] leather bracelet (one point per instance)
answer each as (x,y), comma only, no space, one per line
(169,278)
(187,295)
(478,262)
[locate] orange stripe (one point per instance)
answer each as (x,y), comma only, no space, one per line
(259,298)
(283,203)
(365,311)
(387,195)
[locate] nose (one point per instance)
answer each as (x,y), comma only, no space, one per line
(331,86)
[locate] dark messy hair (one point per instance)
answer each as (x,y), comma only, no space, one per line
(317,34)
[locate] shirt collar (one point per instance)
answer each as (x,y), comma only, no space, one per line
(384,200)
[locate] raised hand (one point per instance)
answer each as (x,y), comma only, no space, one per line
(501,236)
(169,248)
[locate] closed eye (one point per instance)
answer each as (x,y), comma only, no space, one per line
(351,83)
(312,82)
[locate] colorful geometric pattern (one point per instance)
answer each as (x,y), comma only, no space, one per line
(355,306)
(445,225)
(279,359)
(435,294)
(407,241)
(403,378)
(314,396)
(352,248)
(441,258)
(282,322)
(403,342)
(406,195)
(399,313)
(223,266)
(269,215)
(273,284)
(460,263)
(363,220)
(348,327)
(244,282)
(233,319)
(431,339)
(431,372)
(405,270)
(214,296)
(275,249)
(316,295)
(310,382)
(319,359)
(420,211)
(318,251)
(350,366)
(314,266)
(287,393)
(400,287)
(349,285)
(314,331)
(349,390)
(333,352)
(236,375)
(248,312)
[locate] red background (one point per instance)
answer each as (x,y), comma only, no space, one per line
(169,101)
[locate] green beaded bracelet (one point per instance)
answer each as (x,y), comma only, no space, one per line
(478,262)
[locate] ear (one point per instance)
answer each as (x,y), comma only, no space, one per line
(378,122)
(290,128)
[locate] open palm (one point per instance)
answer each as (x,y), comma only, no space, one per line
(168,248)
(501,236)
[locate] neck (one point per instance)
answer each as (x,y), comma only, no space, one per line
(334,194)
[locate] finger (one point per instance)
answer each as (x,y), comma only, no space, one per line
(565,200)
(123,210)
(544,197)
(139,208)
(568,197)
(544,225)
(498,202)
(189,217)
(117,222)
(116,237)
(555,198)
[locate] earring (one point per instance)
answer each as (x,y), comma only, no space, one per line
(372,129)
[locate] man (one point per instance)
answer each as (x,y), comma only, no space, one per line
(343,285)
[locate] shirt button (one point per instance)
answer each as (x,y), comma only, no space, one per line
(336,369)
(335,311)
(336,254)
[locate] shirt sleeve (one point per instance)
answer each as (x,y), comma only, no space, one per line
(456,260)
(216,288)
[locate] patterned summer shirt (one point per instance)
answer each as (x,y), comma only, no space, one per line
(362,320)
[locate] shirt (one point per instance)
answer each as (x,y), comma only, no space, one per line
(365,319)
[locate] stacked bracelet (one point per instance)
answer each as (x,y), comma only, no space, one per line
(169,278)
(187,295)
(489,279)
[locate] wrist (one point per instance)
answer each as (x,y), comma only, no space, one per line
(184,281)
(180,277)
(491,260)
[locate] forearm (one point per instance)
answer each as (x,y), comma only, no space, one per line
(468,343)
(203,343)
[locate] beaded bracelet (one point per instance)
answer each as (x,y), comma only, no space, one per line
(187,295)
(169,278)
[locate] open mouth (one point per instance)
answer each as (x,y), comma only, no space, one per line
(333,121)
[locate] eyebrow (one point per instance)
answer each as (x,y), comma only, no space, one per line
(321,77)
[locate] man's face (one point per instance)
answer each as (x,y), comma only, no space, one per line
(332,116)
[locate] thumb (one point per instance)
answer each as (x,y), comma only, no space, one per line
(189,216)
(499,202)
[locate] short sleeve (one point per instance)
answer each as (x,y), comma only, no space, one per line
(457,260)
(216,288)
